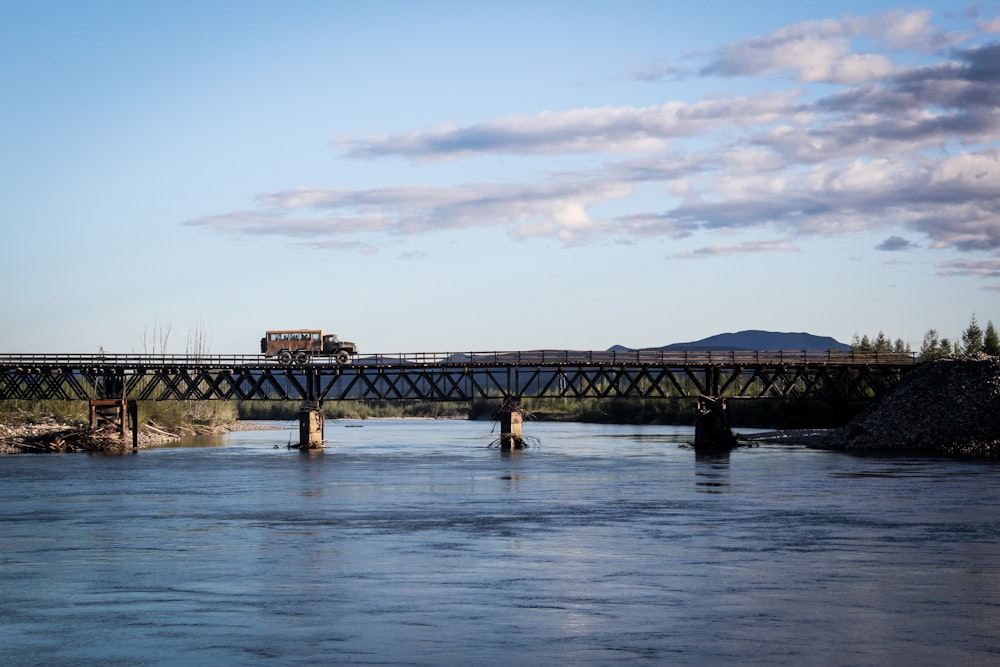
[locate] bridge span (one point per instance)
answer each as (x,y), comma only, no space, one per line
(461,376)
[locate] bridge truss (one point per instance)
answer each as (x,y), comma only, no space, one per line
(456,377)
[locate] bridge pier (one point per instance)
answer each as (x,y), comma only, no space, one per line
(511,431)
(311,422)
(109,411)
(711,430)
(117,411)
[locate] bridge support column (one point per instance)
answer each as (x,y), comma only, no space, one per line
(133,418)
(311,422)
(511,432)
(711,430)
(109,411)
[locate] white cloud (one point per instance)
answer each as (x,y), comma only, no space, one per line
(822,50)
(556,209)
(905,150)
(905,30)
(594,130)
(726,249)
(987,268)
(989,25)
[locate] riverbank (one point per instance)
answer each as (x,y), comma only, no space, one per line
(948,406)
(51,435)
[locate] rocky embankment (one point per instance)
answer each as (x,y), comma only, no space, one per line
(50,435)
(949,406)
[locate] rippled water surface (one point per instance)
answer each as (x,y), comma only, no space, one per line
(413,543)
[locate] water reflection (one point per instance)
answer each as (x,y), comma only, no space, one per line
(711,471)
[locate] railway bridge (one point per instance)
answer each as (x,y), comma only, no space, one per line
(115,383)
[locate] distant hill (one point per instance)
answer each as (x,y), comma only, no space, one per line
(754,339)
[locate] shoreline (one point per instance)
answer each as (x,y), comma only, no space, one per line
(51,436)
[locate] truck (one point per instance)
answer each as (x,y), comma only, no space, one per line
(299,346)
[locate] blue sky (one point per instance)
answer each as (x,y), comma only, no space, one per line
(495,176)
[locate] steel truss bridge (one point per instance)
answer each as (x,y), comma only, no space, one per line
(467,376)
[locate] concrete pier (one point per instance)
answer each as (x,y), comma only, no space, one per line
(511,418)
(711,430)
(311,422)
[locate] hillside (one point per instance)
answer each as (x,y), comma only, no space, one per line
(755,339)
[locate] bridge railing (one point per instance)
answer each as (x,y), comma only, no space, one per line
(519,358)
(668,357)
(130,360)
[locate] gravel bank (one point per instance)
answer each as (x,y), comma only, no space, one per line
(950,406)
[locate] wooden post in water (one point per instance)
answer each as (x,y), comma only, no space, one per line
(511,431)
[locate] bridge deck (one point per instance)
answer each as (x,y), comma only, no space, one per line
(518,358)
(457,376)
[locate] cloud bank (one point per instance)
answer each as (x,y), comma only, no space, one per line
(859,139)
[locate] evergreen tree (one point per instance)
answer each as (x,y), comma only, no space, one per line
(972,337)
(930,349)
(991,341)
(947,348)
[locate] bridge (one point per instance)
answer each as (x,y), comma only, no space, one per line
(119,380)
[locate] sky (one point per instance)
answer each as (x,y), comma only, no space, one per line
(476,176)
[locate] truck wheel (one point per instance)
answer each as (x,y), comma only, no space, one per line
(343,358)
(284,357)
(302,359)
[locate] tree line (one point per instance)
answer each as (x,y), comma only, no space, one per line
(975,340)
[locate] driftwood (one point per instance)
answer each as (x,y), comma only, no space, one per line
(152,426)
(73,440)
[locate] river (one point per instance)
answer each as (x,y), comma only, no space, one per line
(411,542)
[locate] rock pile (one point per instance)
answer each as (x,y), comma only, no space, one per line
(948,406)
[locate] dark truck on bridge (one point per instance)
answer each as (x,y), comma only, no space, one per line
(301,345)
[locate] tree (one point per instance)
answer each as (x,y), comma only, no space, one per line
(991,341)
(972,337)
(948,348)
(197,346)
(197,340)
(155,341)
(932,347)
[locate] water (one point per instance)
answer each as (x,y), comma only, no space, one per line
(413,543)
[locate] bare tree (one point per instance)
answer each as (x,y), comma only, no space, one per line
(197,340)
(196,347)
(155,341)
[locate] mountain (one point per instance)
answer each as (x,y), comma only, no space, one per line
(754,339)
